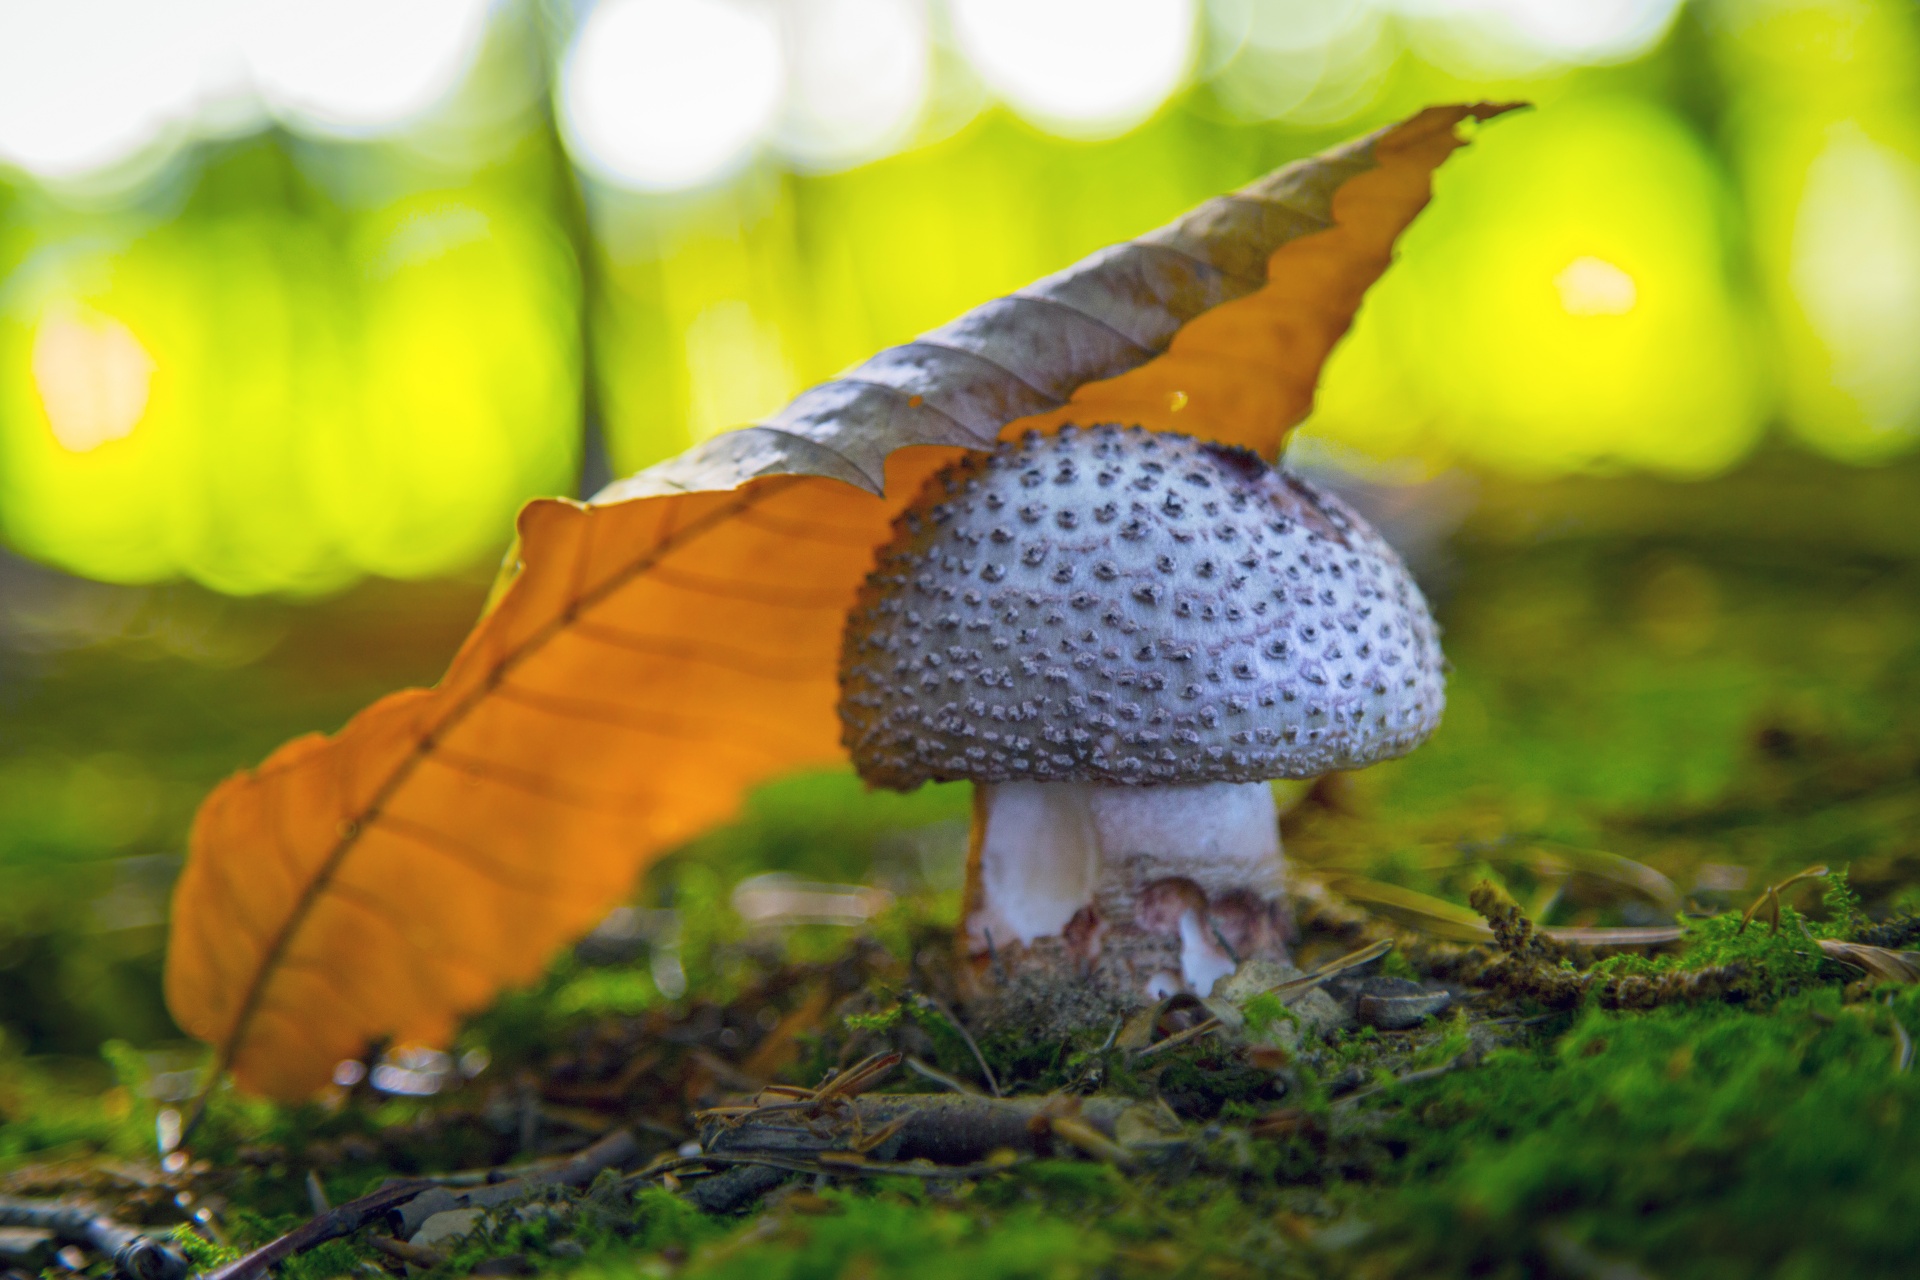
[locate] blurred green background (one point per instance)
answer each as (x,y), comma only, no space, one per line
(300,300)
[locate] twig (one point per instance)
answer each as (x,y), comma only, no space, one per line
(133,1254)
(1331,969)
(1903,1049)
(858,1078)
(1178,1038)
(331,1225)
(848,1168)
(617,1148)
(1288,991)
(993,1085)
(1412,1077)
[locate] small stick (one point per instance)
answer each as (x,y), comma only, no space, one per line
(857,1078)
(617,1148)
(845,1168)
(1412,1077)
(331,1225)
(317,1194)
(134,1254)
(1178,1038)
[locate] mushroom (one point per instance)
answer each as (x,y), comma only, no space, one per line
(1120,637)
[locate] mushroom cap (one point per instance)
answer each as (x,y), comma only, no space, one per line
(1122,606)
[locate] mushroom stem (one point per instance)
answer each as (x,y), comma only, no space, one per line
(1105,898)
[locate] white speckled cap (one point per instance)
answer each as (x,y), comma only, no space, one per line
(1120,606)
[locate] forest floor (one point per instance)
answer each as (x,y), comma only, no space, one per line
(1665,699)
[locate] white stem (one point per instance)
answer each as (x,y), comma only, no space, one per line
(1184,870)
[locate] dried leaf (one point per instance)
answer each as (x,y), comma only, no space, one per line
(652,655)
(1880,962)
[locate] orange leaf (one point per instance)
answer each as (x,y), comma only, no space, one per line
(661,650)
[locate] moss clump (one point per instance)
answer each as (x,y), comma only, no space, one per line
(1705,1141)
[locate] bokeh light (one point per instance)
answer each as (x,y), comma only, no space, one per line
(1305,61)
(1854,268)
(259,406)
(293,358)
(660,94)
(92,377)
(1564,305)
(359,66)
(85,84)
(1083,67)
(857,77)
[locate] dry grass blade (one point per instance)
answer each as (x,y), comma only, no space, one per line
(1415,910)
(1642,879)
(649,657)
(1888,966)
(1646,935)
(1079,1133)
(1442,919)
(1771,898)
(858,1078)
(973,1047)
(1333,969)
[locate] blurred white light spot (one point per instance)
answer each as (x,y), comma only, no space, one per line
(1595,287)
(665,94)
(411,1071)
(166,1130)
(780,899)
(1855,271)
(349,1072)
(857,73)
(358,66)
(93,377)
(738,366)
(1308,61)
(85,84)
(669,975)
(1079,66)
(1493,37)
(1590,30)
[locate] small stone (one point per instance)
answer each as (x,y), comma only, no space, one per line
(446,1226)
(1316,1010)
(26,1248)
(1397,1004)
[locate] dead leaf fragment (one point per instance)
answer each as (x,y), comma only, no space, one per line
(652,655)
(1879,962)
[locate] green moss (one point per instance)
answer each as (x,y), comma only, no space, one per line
(1771,964)
(1707,1139)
